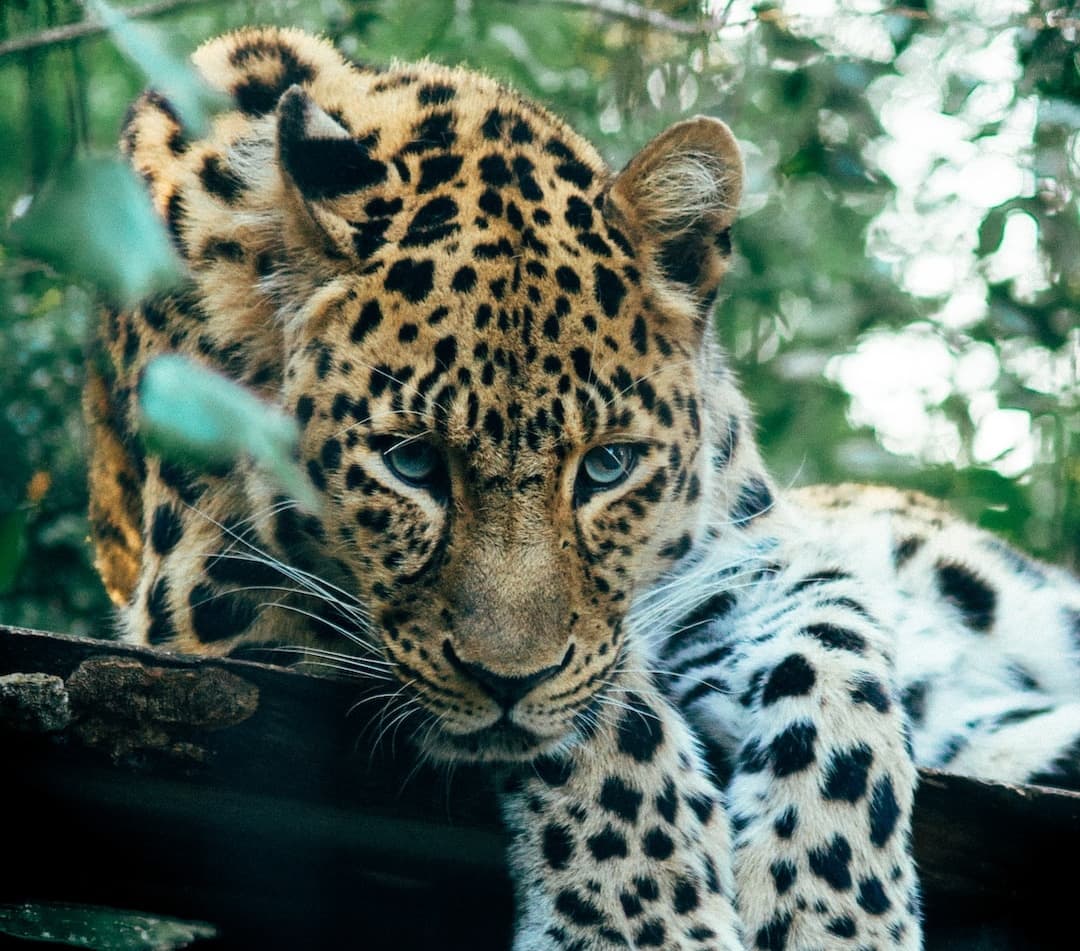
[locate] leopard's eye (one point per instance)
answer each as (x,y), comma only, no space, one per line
(416,462)
(604,467)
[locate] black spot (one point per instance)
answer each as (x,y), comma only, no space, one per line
(464,280)
(913,700)
(836,638)
(693,627)
(872,897)
(568,280)
(375,519)
(166,529)
(437,170)
(685,896)
(783,874)
(752,757)
(435,94)
(527,185)
(702,806)
(609,289)
(884,811)
(217,615)
(657,844)
(651,934)
(792,677)
(773,937)
(575,172)
(244,568)
(220,180)
(607,844)
(223,251)
(492,128)
(582,363)
(785,823)
(906,549)
(675,549)
(667,803)
(869,690)
(647,888)
(846,773)
(621,799)
(842,927)
(411,278)
(558,846)
(493,425)
(640,732)
(369,236)
(161,627)
(323,168)
(494,171)
(831,861)
(578,213)
(434,132)
(433,222)
(792,750)
(315,473)
(554,770)
(330,455)
(370,318)
(631,904)
(951,749)
(968,592)
(754,499)
(580,911)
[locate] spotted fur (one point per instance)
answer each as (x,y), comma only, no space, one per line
(545,528)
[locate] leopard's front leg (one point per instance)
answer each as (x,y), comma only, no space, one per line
(793,694)
(623,842)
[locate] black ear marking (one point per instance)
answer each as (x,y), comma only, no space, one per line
(318,155)
(678,198)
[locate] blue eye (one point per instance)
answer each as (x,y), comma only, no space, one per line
(415,462)
(603,467)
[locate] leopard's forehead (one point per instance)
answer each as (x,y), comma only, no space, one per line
(488,291)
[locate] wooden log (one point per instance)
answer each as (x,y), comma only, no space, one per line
(251,797)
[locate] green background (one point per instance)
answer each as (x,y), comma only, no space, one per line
(903,303)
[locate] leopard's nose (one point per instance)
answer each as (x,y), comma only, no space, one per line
(504,690)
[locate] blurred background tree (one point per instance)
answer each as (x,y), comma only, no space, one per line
(903,306)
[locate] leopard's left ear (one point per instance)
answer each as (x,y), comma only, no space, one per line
(678,198)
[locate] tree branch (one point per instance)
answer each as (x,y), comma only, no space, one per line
(76,31)
(639,13)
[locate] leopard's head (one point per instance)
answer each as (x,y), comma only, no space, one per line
(499,354)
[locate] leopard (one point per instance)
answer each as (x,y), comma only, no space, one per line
(544,526)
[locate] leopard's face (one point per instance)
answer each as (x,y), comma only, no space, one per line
(495,349)
(501,479)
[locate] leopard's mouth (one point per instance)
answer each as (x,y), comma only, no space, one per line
(506,741)
(503,741)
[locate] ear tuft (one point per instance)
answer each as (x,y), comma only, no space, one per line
(319,155)
(678,197)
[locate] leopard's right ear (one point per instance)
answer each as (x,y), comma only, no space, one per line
(331,172)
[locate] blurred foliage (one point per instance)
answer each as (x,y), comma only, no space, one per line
(903,305)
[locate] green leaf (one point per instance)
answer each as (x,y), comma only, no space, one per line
(185,89)
(193,415)
(96,222)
